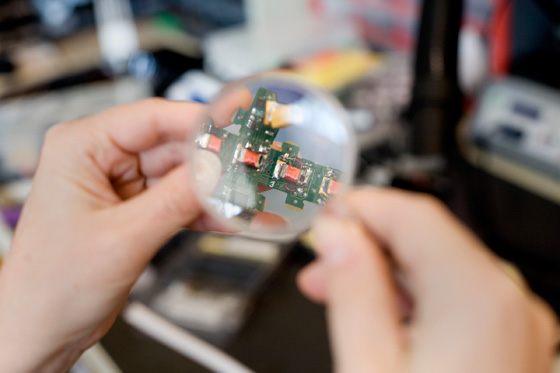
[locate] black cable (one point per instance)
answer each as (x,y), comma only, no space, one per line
(436,103)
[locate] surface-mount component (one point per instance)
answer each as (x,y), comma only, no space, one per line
(254,162)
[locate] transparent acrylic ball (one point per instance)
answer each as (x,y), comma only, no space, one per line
(270,152)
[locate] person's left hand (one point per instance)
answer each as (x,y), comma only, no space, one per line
(108,192)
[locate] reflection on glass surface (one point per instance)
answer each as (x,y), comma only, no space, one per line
(284,149)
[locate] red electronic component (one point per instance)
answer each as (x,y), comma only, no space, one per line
(252,159)
(292,174)
(214,144)
(333,187)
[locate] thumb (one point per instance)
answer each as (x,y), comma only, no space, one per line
(362,313)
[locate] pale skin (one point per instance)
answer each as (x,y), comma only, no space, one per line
(112,188)
(469,313)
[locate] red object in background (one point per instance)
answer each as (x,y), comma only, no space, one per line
(252,159)
(499,36)
(292,174)
(392,24)
(215,143)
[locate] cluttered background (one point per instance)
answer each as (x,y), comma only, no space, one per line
(455,99)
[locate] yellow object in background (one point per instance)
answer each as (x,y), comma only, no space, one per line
(239,247)
(336,69)
(308,240)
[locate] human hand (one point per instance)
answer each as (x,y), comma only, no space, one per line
(108,192)
(468,314)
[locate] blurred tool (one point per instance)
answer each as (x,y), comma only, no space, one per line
(118,40)
(436,98)
(416,155)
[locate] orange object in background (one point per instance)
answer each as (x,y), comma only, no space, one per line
(334,69)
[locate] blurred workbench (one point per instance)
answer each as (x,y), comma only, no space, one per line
(285,333)
(40,63)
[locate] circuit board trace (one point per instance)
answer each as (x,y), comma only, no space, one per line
(254,162)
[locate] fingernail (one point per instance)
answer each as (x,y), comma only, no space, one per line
(332,237)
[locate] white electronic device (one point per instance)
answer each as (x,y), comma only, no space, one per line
(515,134)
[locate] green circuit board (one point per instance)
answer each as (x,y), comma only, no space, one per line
(253,162)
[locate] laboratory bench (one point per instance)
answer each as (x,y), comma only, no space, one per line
(285,333)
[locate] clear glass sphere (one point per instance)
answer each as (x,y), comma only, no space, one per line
(270,152)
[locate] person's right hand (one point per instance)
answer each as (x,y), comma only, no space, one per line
(469,314)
